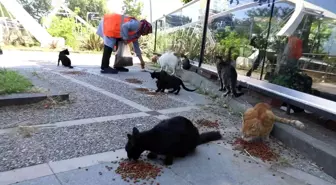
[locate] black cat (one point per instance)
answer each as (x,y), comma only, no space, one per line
(64,58)
(227,75)
(174,137)
(185,63)
(166,81)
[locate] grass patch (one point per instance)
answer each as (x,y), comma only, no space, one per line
(13,82)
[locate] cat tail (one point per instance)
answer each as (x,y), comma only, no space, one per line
(296,123)
(209,136)
(185,88)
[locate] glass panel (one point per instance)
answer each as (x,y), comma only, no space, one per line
(181,31)
(305,60)
(237,28)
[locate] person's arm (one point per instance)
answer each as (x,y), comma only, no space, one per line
(132,25)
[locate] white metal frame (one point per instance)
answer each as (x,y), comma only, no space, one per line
(301,8)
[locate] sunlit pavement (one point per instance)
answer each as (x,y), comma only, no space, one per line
(75,148)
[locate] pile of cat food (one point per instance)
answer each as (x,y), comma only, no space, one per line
(133,81)
(257,149)
(146,91)
(136,172)
(208,123)
(73,72)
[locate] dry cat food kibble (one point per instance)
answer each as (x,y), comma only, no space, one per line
(208,123)
(137,171)
(142,89)
(133,81)
(146,91)
(258,149)
(73,72)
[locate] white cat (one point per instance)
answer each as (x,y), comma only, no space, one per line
(169,61)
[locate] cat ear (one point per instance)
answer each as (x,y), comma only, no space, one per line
(135,131)
(129,136)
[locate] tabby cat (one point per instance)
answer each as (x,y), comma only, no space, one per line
(258,122)
(227,75)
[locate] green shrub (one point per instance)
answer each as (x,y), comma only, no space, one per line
(93,42)
(64,27)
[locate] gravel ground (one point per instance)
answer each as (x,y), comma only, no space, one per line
(54,144)
(84,103)
(230,128)
(153,102)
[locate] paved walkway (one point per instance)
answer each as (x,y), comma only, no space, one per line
(74,142)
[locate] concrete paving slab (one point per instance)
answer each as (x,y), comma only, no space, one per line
(47,180)
(23,174)
(89,160)
(210,164)
(98,174)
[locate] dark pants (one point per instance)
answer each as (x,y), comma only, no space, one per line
(107,52)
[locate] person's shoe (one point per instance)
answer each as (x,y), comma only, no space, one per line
(142,66)
(109,70)
(1,52)
(121,69)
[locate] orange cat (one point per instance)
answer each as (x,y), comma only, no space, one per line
(258,122)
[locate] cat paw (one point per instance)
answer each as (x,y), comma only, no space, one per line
(168,161)
(151,155)
(238,95)
(266,138)
(225,94)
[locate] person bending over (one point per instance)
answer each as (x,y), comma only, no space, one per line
(116,27)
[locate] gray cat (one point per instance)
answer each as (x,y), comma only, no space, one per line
(227,75)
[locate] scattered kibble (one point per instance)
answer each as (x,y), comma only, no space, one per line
(100,173)
(87,169)
(208,123)
(273,174)
(79,168)
(257,149)
(108,168)
(137,171)
(282,177)
(133,81)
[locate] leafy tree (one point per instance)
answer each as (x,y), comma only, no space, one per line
(64,27)
(279,12)
(319,34)
(232,1)
(133,8)
(186,1)
(37,8)
(178,20)
(86,6)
